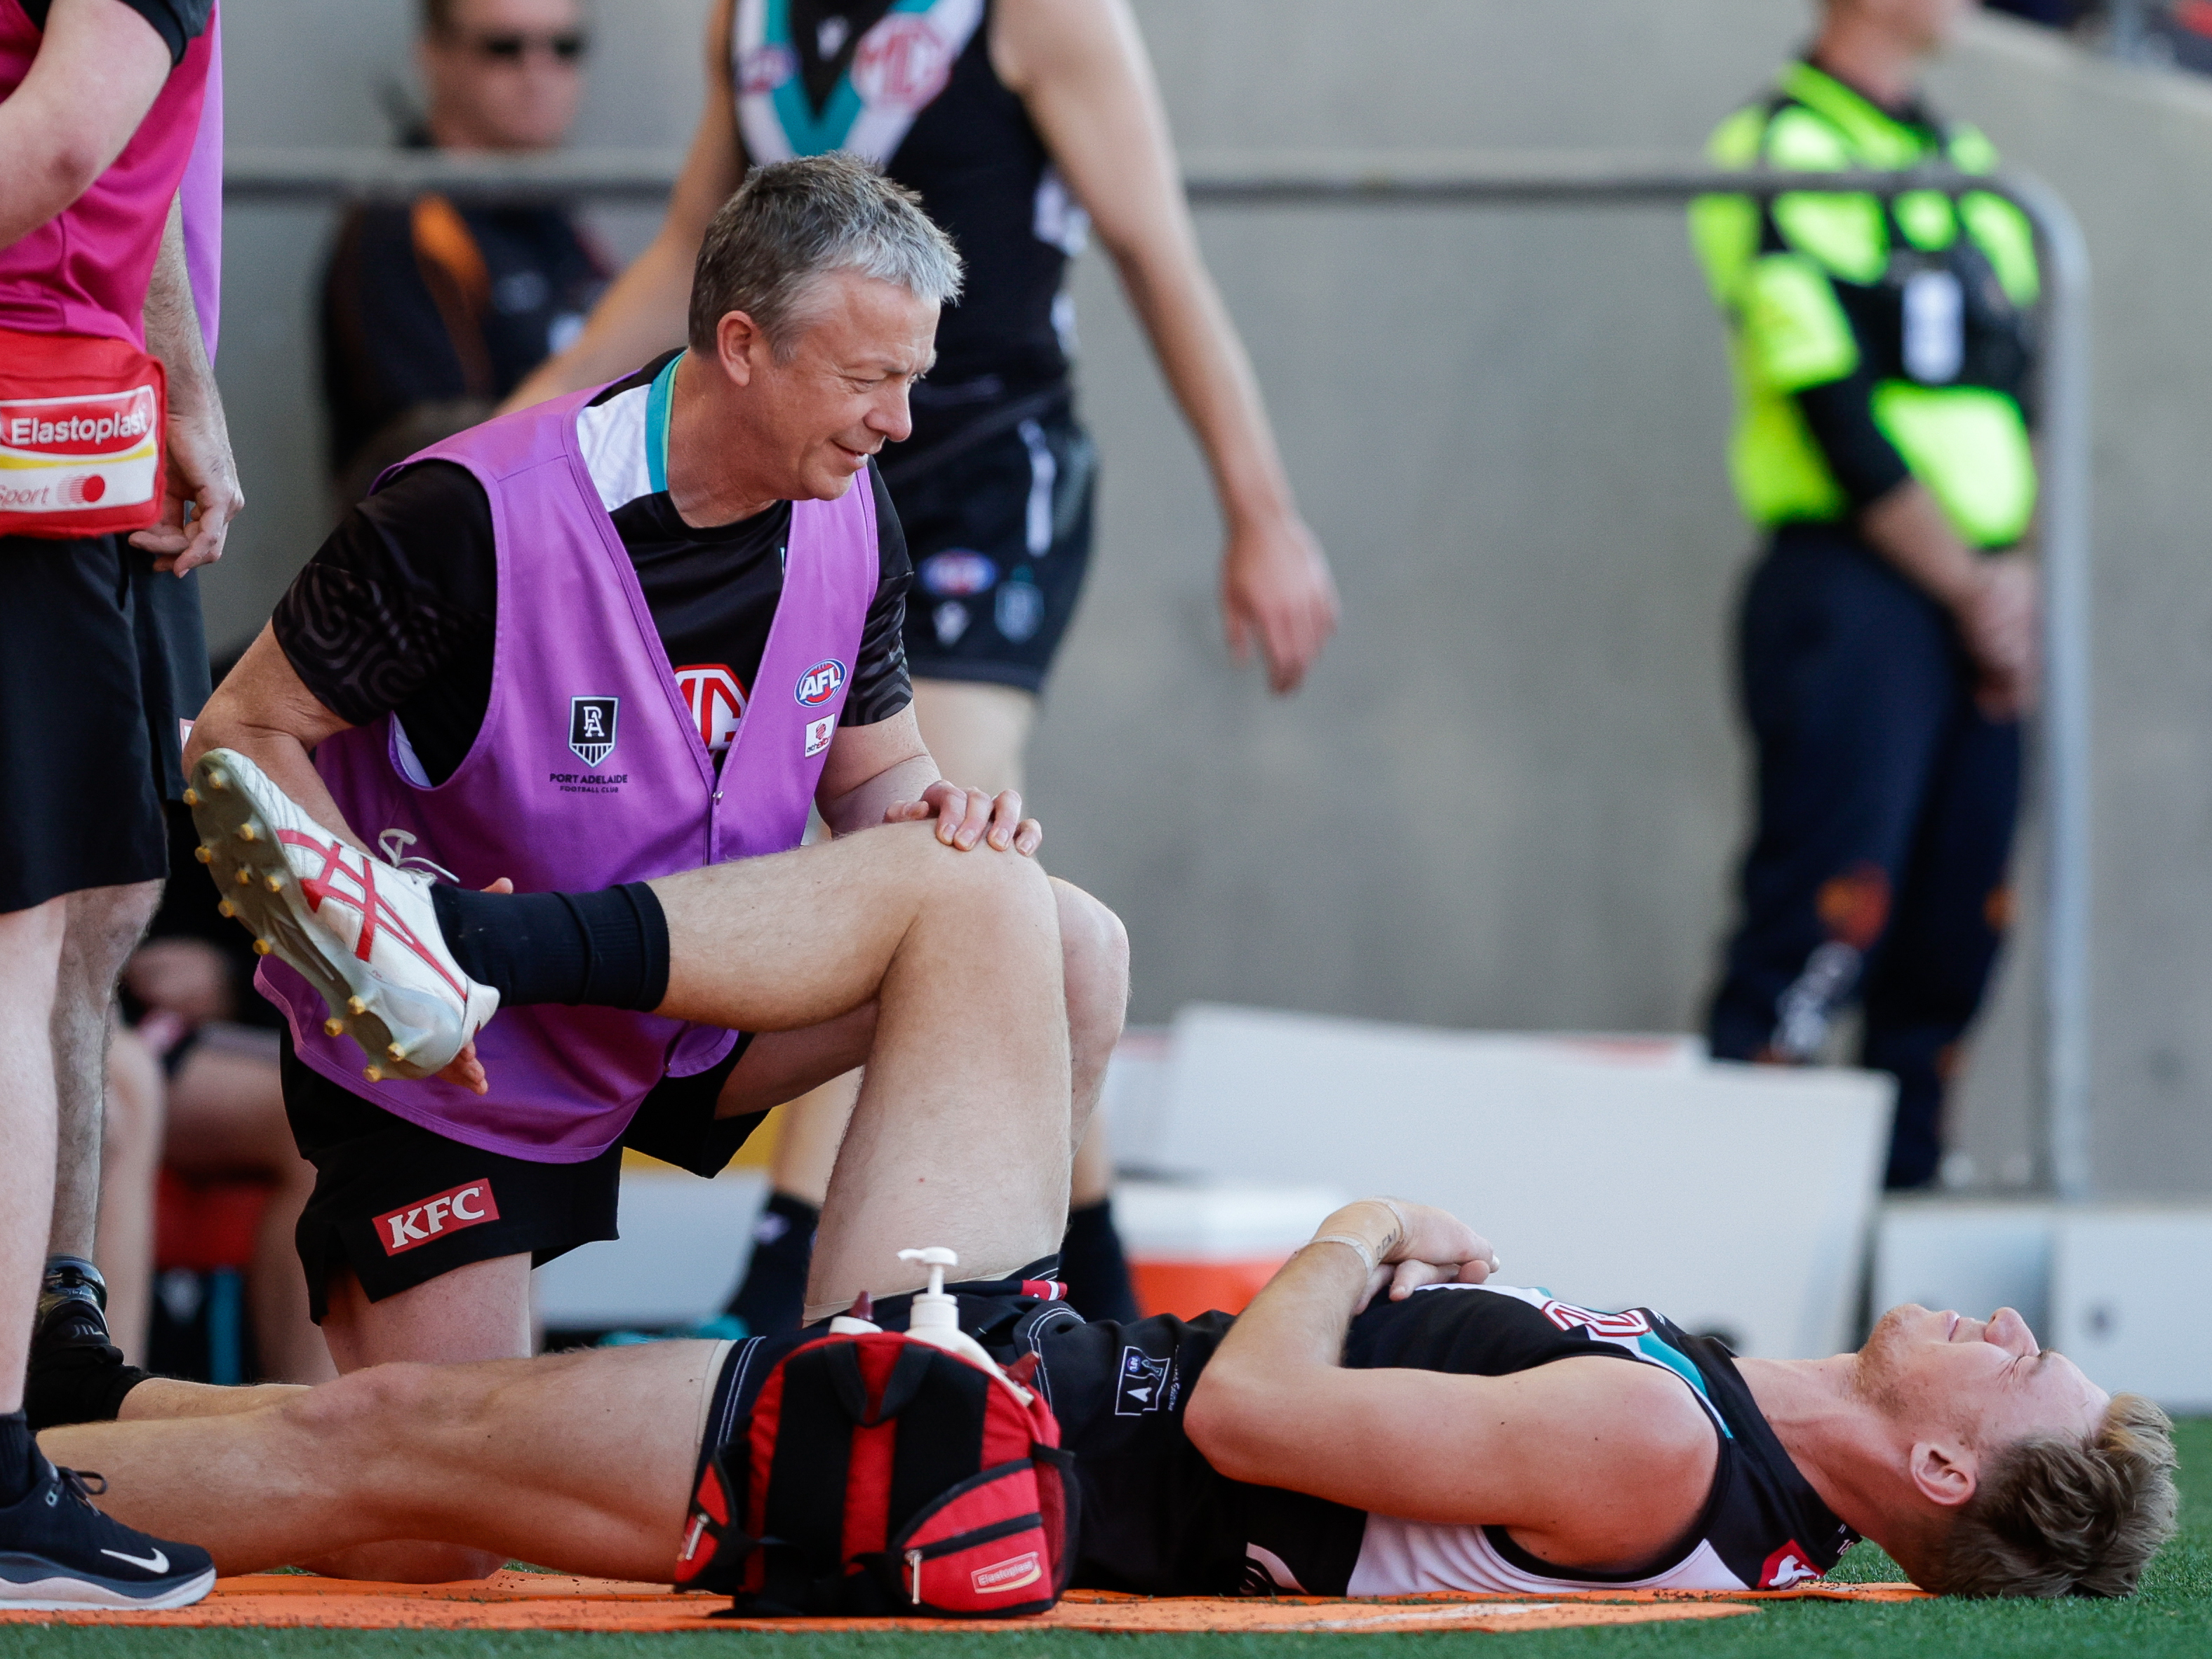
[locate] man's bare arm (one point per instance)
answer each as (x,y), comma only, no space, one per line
(264,711)
(871,768)
(1080,70)
(1595,1464)
(883,773)
(643,313)
(202,472)
(99,68)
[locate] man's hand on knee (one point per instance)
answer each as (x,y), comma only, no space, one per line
(967,818)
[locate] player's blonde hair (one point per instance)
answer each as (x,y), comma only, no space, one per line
(2056,1516)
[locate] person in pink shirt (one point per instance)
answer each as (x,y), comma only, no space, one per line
(116,483)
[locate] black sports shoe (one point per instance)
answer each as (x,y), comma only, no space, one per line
(58,1553)
(77,1374)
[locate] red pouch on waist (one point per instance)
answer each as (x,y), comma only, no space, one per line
(80,436)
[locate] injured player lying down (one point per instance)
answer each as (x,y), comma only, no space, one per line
(1455,1434)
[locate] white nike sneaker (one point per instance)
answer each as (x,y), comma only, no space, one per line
(363,933)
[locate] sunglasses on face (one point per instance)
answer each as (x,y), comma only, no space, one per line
(568,47)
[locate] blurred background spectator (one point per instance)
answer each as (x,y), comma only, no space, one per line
(434,311)
(1887,648)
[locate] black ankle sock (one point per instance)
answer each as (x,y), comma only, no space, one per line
(773,1298)
(604,949)
(1093,1266)
(19,1457)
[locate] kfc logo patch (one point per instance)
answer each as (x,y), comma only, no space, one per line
(1785,1567)
(820,683)
(592,728)
(411,1225)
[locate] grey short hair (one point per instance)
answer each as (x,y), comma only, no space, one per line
(792,223)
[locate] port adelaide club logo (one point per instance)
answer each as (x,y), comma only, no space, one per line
(592,728)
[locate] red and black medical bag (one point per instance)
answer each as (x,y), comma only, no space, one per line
(882,1476)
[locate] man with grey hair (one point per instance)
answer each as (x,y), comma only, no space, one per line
(622,635)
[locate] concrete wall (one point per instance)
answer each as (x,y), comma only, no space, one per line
(1510,795)
(2132,151)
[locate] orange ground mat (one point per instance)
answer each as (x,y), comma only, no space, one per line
(525,1600)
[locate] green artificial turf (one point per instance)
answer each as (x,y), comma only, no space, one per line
(2171,1616)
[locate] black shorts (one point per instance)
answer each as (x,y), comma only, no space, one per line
(1154,1517)
(101,656)
(1000,538)
(400,1204)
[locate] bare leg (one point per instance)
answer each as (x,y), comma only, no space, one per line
(30,958)
(158,1399)
(582,1462)
(227,1118)
(779,1065)
(129,1167)
(104,925)
(1093,1179)
(806,1145)
(1094,967)
(1096,961)
(961,955)
(479,1312)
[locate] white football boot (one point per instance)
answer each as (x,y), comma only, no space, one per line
(362,932)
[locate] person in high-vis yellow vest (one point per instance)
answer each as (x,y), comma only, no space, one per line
(1882,351)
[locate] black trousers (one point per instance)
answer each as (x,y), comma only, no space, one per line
(1887,802)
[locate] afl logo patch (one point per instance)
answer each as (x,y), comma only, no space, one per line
(821,682)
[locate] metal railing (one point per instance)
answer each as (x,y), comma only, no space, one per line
(1542,178)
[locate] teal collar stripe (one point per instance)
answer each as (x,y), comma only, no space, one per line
(810,134)
(656,425)
(1660,1352)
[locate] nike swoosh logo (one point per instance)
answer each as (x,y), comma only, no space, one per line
(157,1562)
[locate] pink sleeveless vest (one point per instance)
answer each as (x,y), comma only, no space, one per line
(85,270)
(589,771)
